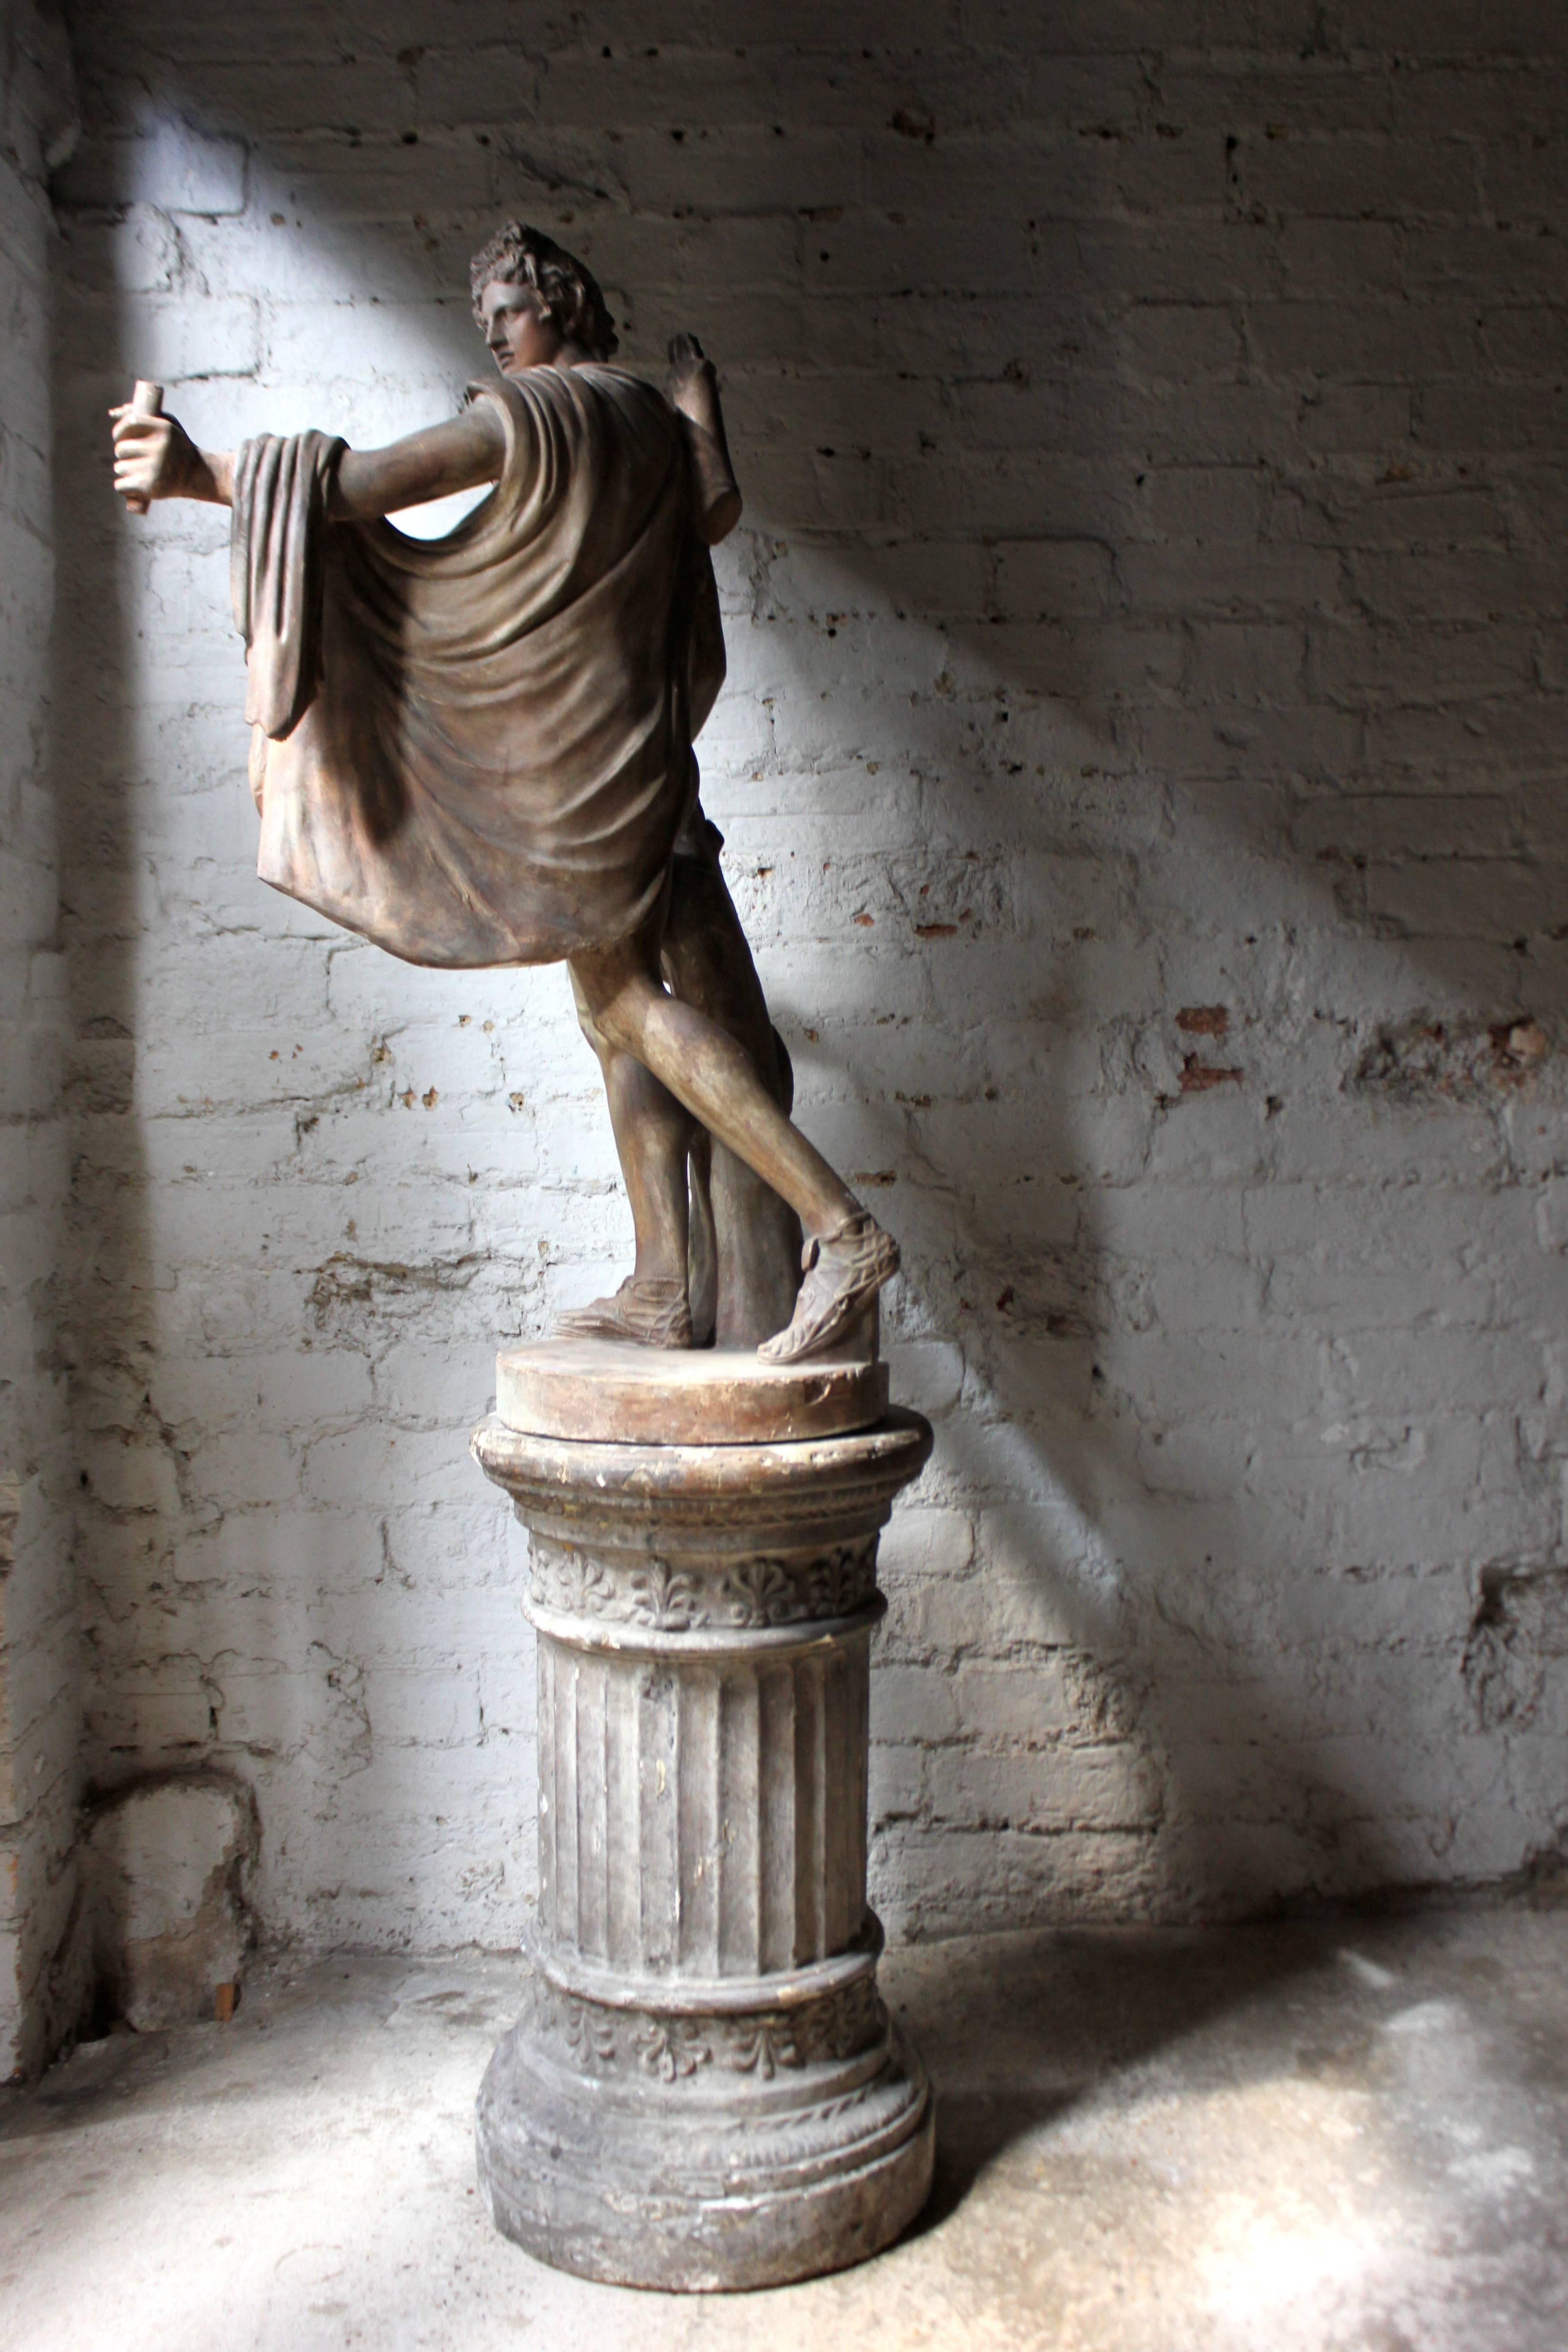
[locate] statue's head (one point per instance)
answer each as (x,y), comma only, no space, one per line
(565,296)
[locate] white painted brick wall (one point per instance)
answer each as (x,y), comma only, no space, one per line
(1142,768)
(41,1954)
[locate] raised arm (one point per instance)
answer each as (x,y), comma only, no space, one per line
(154,457)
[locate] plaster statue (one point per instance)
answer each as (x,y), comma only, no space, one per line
(477,751)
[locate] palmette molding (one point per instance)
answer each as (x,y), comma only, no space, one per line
(691,1595)
(674,2047)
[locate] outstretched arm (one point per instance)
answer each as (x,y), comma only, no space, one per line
(458,454)
(154,457)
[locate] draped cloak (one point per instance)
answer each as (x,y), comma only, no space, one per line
(476,749)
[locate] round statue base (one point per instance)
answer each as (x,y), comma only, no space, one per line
(705,2090)
(611,1391)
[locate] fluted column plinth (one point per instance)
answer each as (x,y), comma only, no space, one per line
(705,2090)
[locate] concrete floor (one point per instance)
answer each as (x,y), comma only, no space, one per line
(1340,2137)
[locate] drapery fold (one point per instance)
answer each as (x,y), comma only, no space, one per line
(275,568)
(476,749)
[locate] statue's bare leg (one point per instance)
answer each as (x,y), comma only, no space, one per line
(653,1136)
(718,1251)
(745,1268)
(847,1255)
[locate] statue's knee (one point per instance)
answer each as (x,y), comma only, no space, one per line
(620,1017)
(597,1023)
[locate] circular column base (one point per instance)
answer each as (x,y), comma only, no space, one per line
(705,2091)
(677,2175)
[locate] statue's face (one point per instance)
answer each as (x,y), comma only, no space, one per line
(517,330)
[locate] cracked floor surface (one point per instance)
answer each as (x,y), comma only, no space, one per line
(1346,2135)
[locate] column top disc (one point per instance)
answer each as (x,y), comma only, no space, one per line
(860,1471)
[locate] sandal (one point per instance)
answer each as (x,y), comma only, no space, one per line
(651,1314)
(844,1271)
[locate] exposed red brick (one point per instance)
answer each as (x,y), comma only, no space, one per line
(1197,1076)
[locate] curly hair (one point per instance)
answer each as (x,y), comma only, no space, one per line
(568,293)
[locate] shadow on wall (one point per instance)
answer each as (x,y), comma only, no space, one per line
(1139,774)
(1203,1406)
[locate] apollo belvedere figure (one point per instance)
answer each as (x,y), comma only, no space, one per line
(477,751)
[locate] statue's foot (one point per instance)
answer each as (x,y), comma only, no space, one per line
(653,1314)
(844,1271)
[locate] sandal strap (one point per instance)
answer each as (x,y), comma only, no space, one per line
(860,1240)
(864,1256)
(651,1313)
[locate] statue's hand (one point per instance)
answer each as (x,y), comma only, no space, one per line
(686,356)
(154,456)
